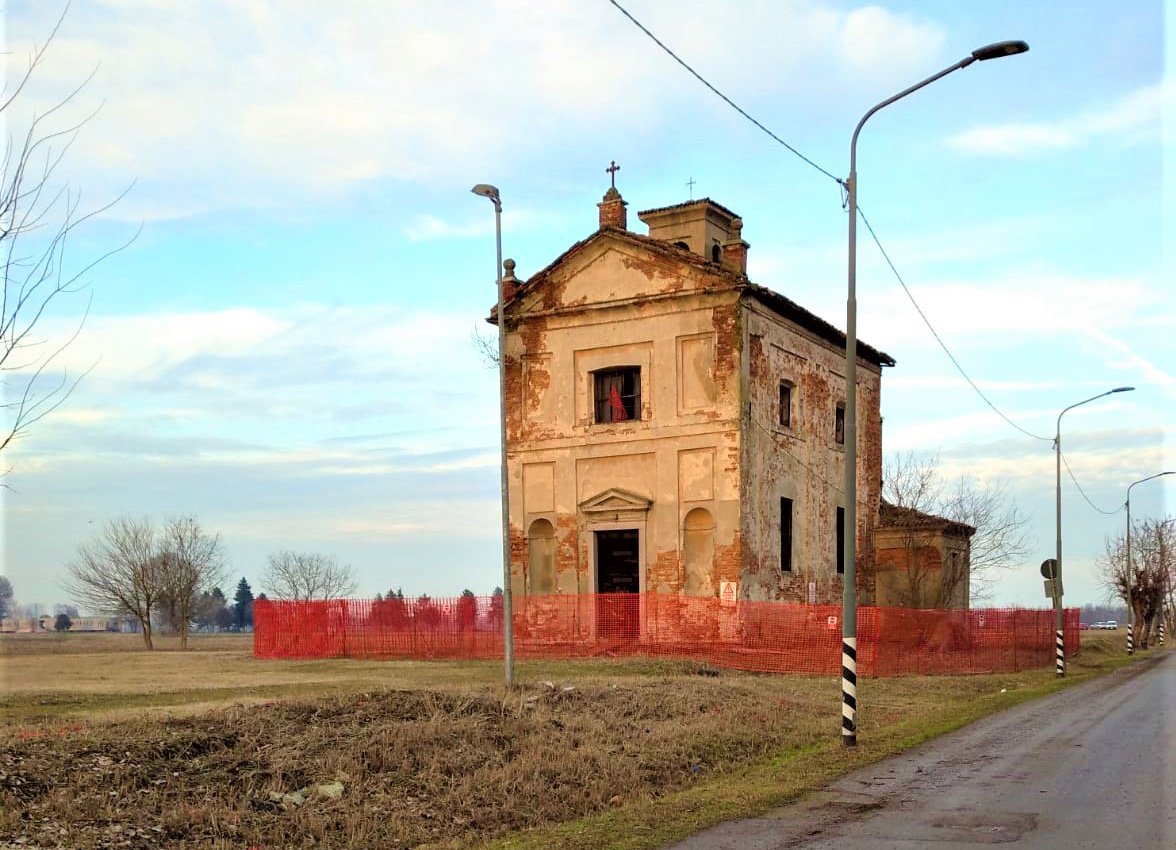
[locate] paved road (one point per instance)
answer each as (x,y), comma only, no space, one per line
(1091,767)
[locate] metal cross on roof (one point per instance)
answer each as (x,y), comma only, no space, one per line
(612,170)
(690,185)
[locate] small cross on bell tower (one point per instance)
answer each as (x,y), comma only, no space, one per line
(612,170)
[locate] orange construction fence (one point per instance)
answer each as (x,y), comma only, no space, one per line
(772,637)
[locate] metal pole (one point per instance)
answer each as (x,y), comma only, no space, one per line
(1058,610)
(1130,577)
(507,596)
(1059,614)
(491,192)
(849,533)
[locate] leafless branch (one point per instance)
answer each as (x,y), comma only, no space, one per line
(36,220)
(120,572)
(302,576)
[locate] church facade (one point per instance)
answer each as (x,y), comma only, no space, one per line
(672,427)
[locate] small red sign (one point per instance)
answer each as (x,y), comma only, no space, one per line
(831,622)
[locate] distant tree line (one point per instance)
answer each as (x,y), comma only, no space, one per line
(171,573)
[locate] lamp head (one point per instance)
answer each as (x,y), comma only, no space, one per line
(1001,48)
(486,191)
(1122,390)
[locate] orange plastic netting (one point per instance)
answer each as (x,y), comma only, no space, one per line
(772,637)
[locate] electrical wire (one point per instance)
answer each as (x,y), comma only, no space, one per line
(724,98)
(938,338)
(865,221)
(1066,463)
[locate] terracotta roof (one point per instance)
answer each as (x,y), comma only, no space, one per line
(893,516)
(785,307)
(685,204)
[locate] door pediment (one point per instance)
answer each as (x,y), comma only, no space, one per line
(615,500)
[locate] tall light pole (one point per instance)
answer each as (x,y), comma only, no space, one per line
(849,533)
(1130,571)
(487,191)
(1059,616)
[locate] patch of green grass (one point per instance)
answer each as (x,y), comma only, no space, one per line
(775,781)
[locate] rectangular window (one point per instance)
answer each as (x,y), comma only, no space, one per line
(617,394)
(786,535)
(839,425)
(841,540)
(785,404)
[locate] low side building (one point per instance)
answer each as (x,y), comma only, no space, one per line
(922,560)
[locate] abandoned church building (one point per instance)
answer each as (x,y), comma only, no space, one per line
(674,428)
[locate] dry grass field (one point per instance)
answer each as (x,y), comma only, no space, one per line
(105,745)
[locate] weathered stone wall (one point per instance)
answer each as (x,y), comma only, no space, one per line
(803,462)
(613,305)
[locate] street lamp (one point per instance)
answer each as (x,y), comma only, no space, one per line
(1130,571)
(491,192)
(1059,623)
(849,533)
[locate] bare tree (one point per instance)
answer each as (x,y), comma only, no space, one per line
(1153,569)
(192,563)
(914,482)
(302,576)
(37,217)
(120,572)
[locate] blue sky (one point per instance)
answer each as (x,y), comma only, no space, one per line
(285,348)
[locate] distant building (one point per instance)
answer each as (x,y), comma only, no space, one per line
(923,561)
(674,427)
(44,623)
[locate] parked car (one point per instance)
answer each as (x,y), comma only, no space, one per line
(1083,627)
(1106,624)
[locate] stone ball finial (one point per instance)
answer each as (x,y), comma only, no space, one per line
(509,265)
(736,226)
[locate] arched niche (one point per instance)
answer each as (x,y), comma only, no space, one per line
(541,557)
(698,556)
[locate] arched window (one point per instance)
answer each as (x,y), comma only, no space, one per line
(699,553)
(541,557)
(716,254)
(684,246)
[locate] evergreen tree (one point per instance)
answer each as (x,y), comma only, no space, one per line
(243,605)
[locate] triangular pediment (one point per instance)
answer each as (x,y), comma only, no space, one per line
(612,265)
(615,499)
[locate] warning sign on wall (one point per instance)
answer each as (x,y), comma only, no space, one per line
(831,622)
(728,592)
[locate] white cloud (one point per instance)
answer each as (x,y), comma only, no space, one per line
(248,104)
(873,38)
(1135,117)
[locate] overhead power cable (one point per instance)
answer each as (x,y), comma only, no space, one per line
(841,183)
(725,99)
(1083,492)
(938,338)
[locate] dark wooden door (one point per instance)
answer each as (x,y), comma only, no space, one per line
(618,583)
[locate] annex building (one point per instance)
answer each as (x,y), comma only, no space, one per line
(673,427)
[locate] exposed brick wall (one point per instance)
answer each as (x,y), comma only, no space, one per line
(612,210)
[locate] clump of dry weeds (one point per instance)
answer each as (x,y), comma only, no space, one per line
(417,766)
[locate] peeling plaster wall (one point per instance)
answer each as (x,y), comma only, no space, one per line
(900,584)
(802,461)
(615,305)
